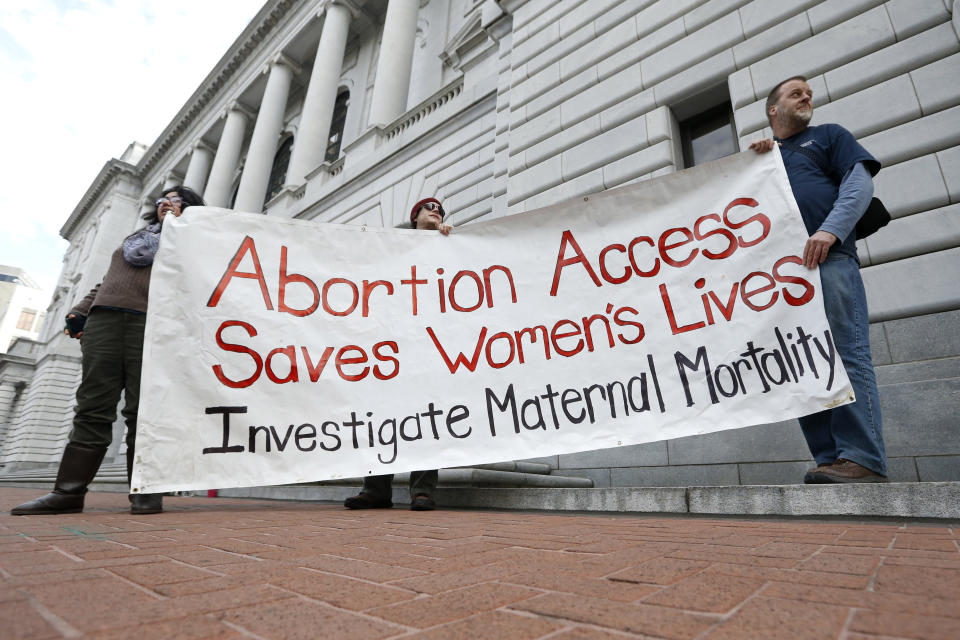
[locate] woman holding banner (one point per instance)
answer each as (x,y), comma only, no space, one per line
(377,492)
(110,323)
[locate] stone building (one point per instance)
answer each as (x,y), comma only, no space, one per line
(350,110)
(22,306)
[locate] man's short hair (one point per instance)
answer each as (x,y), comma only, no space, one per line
(774,94)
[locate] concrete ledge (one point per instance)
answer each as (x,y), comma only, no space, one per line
(113,478)
(617,500)
(938,500)
(901,500)
(645,500)
(309,493)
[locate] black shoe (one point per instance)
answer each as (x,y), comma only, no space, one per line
(145,503)
(422,502)
(78,466)
(367,501)
(51,504)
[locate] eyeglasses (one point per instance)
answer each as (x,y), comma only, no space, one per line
(433,206)
(175,200)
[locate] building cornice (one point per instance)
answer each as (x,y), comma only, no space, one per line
(511,6)
(256,32)
(111,170)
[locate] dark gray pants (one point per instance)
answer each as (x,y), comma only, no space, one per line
(112,346)
(381,487)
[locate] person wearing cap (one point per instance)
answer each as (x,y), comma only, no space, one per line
(377,492)
(429,214)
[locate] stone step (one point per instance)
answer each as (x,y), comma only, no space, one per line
(109,470)
(507,474)
(933,500)
(107,473)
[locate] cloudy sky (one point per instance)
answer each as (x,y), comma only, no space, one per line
(81,80)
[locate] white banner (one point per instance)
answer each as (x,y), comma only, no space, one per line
(282,351)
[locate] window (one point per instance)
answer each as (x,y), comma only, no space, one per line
(336,126)
(278,174)
(708,135)
(236,190)
(25,322)
(8,278)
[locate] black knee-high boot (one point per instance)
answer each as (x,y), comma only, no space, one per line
(142,503)
(78,466)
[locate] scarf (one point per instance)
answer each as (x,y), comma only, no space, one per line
(140,248)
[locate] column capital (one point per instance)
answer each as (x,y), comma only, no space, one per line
(236,105)
(200,145)
(281,59)
(350,5)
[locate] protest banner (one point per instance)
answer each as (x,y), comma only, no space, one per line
(281,351)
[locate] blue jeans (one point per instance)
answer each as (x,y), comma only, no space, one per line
(852,431)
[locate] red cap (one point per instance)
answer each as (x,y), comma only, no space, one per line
(416,209)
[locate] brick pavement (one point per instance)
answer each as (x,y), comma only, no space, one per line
(228,568)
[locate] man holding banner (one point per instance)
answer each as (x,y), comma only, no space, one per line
(377,490)
(846,441)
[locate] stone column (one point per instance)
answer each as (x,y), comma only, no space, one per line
(266,132)
(396,58)
(217,193)
(199,167)
(311,141)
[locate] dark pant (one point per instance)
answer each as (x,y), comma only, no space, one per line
(382,486)
(112,346)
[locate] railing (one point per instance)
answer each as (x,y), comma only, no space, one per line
(424,109)
(336,166)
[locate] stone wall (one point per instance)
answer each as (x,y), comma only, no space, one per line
(597,90)
(40,420)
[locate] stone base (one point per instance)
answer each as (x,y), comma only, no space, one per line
(492,489)
(938,500)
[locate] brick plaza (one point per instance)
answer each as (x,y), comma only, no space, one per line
(231,568)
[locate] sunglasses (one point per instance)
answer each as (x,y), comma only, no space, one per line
(433,206)
(175,200)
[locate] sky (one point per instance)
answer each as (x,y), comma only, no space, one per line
(81,80)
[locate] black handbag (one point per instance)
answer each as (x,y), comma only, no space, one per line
(873,219)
